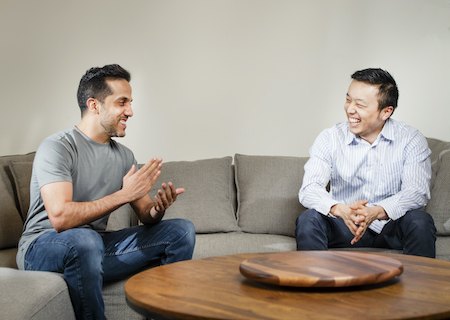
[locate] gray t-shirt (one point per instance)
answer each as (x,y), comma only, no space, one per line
(95,170)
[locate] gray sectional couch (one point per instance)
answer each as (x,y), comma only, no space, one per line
(241,206)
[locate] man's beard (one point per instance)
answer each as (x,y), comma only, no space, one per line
(112,129)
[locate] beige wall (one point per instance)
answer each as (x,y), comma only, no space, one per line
(215,78)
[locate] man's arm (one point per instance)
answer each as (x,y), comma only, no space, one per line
(313,193)
(66,214)
(415,180)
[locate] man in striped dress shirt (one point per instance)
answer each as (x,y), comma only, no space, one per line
(379,173)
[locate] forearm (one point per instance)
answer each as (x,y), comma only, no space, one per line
(71,214)
(316,197)
(146,211)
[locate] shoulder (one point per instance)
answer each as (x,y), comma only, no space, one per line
(330,139)
(337,133)
(61,143)
(405,133)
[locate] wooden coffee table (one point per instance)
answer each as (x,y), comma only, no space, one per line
(213,288)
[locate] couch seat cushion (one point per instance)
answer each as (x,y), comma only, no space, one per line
(34,295)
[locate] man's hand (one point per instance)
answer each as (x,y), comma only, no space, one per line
(347,214)
(358,217)
(165,198)
(136,184)
(364,217)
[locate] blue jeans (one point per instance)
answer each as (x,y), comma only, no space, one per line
(414,233)
(87,258)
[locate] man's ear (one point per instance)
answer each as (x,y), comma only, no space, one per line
(92,105)
(386,112)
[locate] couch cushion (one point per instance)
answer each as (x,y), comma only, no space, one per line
(439,205)
(123,217)
(34,295)
(218,244)
(208,200)
(21,172)
(8,258)
(115,302)
(438,148)
(267,189)
(11,222)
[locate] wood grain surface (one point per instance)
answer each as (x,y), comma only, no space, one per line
(213,288)
(321,268)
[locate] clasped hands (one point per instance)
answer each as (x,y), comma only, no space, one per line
(358,217)
(138,184)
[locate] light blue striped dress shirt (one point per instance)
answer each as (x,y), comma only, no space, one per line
(394,172)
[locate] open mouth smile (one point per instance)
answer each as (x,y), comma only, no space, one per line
(354,120)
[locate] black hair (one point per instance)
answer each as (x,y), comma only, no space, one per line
(93,84)
(387,88)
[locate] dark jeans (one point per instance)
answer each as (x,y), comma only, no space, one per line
(414,233)
(87,258)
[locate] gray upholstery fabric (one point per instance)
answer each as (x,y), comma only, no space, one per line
(210,245)
(45,293)
(439,205)
(121,218)
(8,258)
(209,196)
(21,172)
(443,248)
(11,223)
(267,190)
(114,297)
(6,174)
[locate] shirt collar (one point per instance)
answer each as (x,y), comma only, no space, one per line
(387,133)
(388,130)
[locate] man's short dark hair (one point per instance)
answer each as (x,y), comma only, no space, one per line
(93,84)
(387,88)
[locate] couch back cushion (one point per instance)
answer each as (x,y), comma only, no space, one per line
(209,200)
(21,171)
(267,191)
(11,220)
(439,205)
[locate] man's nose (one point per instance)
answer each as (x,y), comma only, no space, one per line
(129,110)
(351,108)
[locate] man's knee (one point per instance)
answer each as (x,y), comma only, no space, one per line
(307,217)
(85,244)
(419,220)
(189,230)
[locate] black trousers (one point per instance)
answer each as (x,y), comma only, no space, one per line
(414,233)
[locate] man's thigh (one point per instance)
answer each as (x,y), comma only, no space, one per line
(52,251)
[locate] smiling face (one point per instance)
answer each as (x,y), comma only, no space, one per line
(361,107)
(116,109)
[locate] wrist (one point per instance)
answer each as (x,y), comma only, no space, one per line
(381,214)
(334,210)
(155,213)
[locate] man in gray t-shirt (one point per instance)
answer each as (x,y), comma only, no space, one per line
(79,177)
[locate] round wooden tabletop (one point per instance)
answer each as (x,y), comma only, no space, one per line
(214,288)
